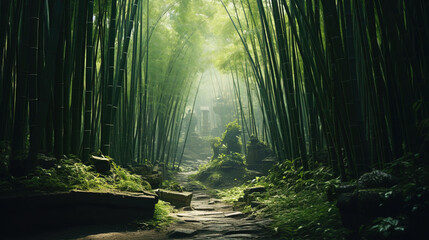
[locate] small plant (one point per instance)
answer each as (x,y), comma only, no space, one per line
(384,228)
(216,144)
(161,216)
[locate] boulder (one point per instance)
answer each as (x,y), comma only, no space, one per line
(25,213)
(257,151)
(249,193)
(178,199)
(101,164)
(376,179)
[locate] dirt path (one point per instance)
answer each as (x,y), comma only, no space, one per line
(207,218)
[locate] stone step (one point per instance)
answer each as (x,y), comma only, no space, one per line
(178,199)
(201,196)
(181,233)
(199,213)
(234,214)
(203,208)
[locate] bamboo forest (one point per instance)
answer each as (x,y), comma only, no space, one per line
(214,119)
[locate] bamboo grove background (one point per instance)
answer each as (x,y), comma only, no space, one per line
(78,76)
(344,77)
(339,82)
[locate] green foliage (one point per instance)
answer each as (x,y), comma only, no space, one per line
(303,215)
(384,228)
(216,144)
(171,185)
(295,200)
(295,178)
(71,174)
(230,141)
(298,204)
(161,216)
(231,137)
(232,194)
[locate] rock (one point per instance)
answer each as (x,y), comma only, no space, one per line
(201,196)
(234,214)
(191,220)
(37,212)
(101,164)
(221,227)
(256,152)
(187,208)
(259,189)
(242,236)
(178,199)
(182,233)
(155,180)
(204,208)
(200,214)
(376,179)
(210,236)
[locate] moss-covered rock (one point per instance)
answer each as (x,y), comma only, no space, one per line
(376,179)
(257,152)
(226,170)
(231,137)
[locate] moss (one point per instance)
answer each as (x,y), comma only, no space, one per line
(172,185)
(295,200)
(215,178)
(225,171)
(231,137)
(71,174)
(161,216)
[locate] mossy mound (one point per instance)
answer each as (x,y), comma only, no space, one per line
(230,141)
(224,171)
(71,173)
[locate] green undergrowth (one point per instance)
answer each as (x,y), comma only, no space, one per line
(295,200)
(172,185)
(161,216)
(72,174)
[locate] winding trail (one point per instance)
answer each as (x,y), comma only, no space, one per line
(207,218)
(210,218)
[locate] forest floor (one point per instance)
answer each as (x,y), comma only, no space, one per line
(207,218)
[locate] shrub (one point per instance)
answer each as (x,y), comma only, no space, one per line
(231,137)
